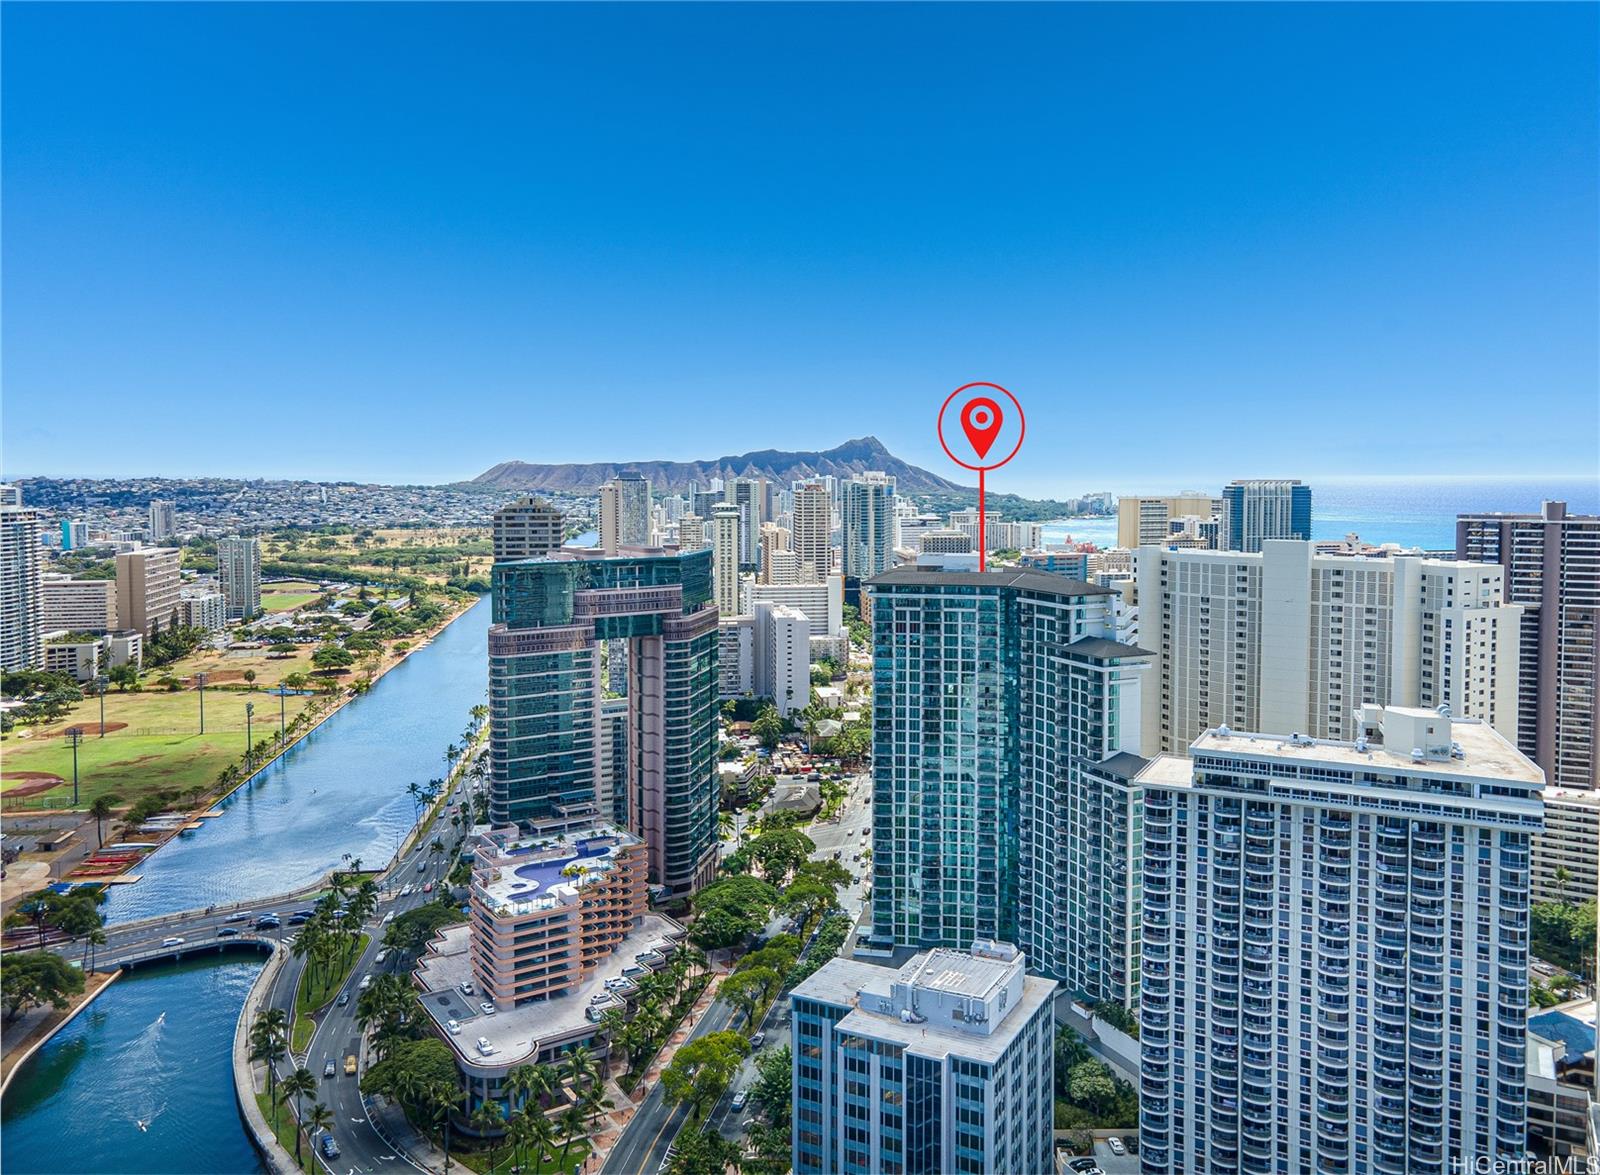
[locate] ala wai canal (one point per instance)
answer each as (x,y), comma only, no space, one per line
(156,1046)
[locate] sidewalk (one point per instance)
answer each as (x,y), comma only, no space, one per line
(627,1104)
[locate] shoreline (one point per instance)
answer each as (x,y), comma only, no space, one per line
(213,803)
(45,1031)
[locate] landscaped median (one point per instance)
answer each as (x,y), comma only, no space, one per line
(311,997)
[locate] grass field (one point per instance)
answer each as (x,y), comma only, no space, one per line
(158,745)
(284,597)
(374,552)
(153,741)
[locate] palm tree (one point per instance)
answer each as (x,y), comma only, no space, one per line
(319,1118)
(518,1086)
(266,1040)
(571,1127)
(441,1099)
(296,1085)
(102,809)
(487,1120)
(519,1132)
(540,1134)
(594,1101)
(95,938)
(613,1021)
(582,1068)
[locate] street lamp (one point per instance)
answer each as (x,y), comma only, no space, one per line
(100,684)
(200,680)
(249,747)
(283,733)
(74,737)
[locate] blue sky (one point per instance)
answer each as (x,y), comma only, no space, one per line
(405,243)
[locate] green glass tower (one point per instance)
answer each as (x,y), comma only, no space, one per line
(1002,714)
(545,697)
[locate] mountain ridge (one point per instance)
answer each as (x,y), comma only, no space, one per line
(781,465)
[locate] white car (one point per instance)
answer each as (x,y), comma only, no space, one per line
(740,1098)
(1116,1146)
(452,1028)
(172,942)
(486,1008)
(485,1047)
(465,986)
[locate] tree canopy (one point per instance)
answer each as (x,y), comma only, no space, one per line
(701,1069)
(32,979)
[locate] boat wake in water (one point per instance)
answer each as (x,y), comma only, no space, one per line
(137,1076)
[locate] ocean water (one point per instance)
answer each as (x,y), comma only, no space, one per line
(1415,512)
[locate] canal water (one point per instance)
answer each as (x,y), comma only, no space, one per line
(341,789)
(154,1048)
(76,1105)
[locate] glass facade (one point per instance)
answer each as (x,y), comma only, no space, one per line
(996,700)
(546,698)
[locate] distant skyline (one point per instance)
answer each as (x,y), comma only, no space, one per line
(402,244)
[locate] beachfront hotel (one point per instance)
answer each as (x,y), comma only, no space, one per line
(1335,938)
(546,699)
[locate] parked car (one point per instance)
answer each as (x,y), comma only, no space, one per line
(453,1028)
(465,987)
(486,1008)
(1131,1141)
(1116,1146)
(1083,1165)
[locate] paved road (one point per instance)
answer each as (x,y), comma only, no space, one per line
(361,1147)
(643,1145)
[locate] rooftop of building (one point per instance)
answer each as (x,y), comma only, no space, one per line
(1122,765)
(1104,650)
(517,869)
(843,981)
(1570,1028)
(1572,797)
(1476,749)
(517,1034)
(1018,578)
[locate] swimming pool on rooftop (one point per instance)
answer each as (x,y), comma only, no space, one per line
(541,875)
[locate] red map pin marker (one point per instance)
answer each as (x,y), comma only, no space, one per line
(980,420)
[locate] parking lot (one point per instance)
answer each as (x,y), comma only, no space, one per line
(1106,1160)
